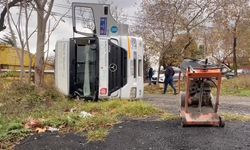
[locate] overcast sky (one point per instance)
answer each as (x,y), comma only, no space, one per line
(64,30)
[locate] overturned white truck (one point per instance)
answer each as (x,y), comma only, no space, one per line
(106,63)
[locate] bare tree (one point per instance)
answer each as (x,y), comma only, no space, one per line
(28,13)
(42,18)
(195,13)
(6,7)
(117,12)
(14,40)
(23,34)
(7,39)
(230,16)
(158,27)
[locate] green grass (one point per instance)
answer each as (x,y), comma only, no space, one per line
(170,117)
(21,102)
(97,135)
(9,74)
(239,86)
(236,117)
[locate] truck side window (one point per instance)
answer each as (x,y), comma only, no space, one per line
(135,64)
(139,67)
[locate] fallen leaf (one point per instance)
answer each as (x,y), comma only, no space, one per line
(40,130)
(113,111)
(32,124)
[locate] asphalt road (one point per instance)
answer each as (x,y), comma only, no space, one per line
(152,135)
(158,135)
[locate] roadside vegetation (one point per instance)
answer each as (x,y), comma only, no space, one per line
(236,117)
(25,110)
(239,86)
(22,104)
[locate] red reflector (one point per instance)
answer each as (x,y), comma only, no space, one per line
(103,91)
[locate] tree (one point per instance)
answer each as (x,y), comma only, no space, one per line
(116,12)
(17,26)
(230,15)
(158,27)
(7,39)
(165,23)
(10,4)
(28,13)
(244,43)
(195,13)
(42,19)
(191,51)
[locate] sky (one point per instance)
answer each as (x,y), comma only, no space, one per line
(64,29)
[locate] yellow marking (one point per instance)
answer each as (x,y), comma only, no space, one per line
(129,48)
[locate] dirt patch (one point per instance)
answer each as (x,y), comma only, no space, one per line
(154,135)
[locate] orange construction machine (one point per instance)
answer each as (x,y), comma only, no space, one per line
(197,105)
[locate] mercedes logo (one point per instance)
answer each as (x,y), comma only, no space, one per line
(113,67)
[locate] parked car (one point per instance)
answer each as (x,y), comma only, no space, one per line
(230,74)
(154,77)
(162,75)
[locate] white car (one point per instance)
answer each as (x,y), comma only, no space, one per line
(162,75)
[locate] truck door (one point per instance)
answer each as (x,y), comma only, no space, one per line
(84,69)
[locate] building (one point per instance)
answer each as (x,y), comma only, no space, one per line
(9,59)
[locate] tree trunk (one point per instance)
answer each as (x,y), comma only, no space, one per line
(39,66)
(22,72)
(189,42)
(159,71)
(27,17)
(235,67)
(42,18)
(30,67)
(14,41)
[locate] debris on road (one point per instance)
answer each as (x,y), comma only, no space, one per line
(33,124)
(84,114)
(40,130)
(51,129)
(72,110)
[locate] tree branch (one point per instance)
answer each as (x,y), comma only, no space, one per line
(4,12)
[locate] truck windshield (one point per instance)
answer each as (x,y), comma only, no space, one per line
(86,70)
